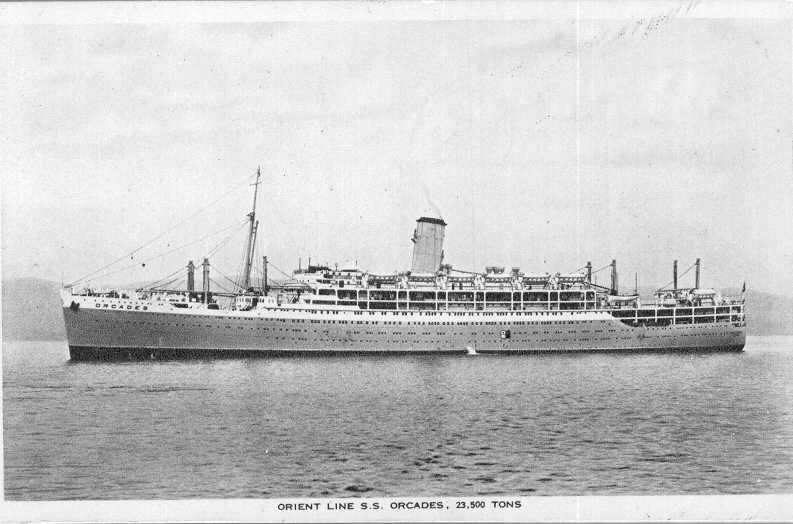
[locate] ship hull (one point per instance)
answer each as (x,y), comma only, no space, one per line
(103,334)
(82,353)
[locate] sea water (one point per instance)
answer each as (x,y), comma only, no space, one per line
(551,424)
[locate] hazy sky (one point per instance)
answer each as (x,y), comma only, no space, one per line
(544,143)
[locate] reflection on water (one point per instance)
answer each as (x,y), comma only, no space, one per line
(372,426)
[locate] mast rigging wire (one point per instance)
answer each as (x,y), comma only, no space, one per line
(601,269)
(222,242)
(218,271)
(155,257)
(156,283)
(218,285)
(165,284)
(151,241)
(270,264)
(678,277)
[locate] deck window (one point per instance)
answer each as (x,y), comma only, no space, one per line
(571,305)
(422,295)
(347,294)
(382,305)
(623,313)
(457,296)
(422,305)
(382,295)
(495,296)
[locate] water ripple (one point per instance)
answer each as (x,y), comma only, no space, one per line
(348,427)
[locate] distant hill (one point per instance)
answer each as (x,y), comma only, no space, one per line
(32,311)
(768,314)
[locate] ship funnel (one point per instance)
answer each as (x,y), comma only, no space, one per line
(428,245)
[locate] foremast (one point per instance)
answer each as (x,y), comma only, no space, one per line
(252,231)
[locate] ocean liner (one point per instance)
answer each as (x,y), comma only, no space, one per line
(432,308)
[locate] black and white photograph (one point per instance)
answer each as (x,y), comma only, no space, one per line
(391,261)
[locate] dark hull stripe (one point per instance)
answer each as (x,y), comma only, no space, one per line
(83,353)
